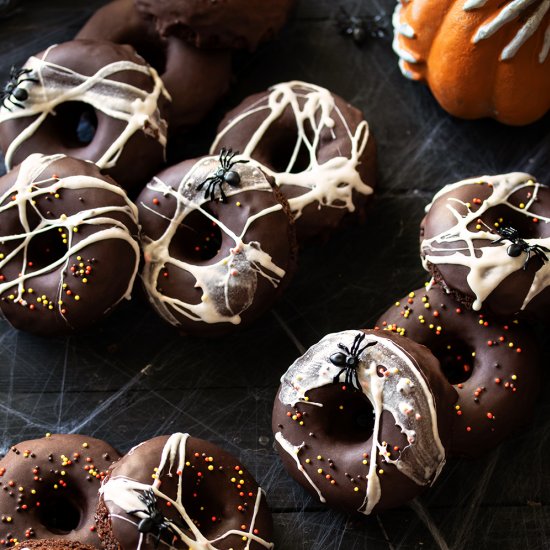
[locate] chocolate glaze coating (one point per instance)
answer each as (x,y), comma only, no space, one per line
(337,174)
(195,79)
(502,285)
(334,442)
(74,239)
(67,500)
(218,495)
(183,244)
(142,150)
(54,544)
(494,366)
(227,24)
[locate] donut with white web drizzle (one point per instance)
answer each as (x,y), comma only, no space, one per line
(316,147)
(50,491)
(218,243)
(327,437)
(178,491)
(494,365)
(93,100)
(69,248)
(487,240)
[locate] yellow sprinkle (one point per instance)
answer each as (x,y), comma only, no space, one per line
(319,457)
(521,205)
(397,304)
(85,445)
(77,297)
(79,258)
(380,472)
(63,472)
(55,486)
(308,461)
(356,489)
(64,285)
(514,377)
(63,216)
(1,256)
(411,294)
(48,434)
(427,306)
(84,280)
(478,226)
(56,195)
(210,467)
(188,463)
(238,203)
(320,471)
(60,302)
(341,407)
(233,480)
(365,461)
(301,423)
(50,306)
(75,229)
(64,241)
(473,353)
(457,407)
(33,491)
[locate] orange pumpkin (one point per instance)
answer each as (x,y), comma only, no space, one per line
(481,58)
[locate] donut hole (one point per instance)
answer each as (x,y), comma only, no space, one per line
(354,422)
(46,248)
(76,123)
(457,363)
(60,514)
(283,151)
(196,240)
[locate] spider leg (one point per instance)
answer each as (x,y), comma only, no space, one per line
(357,342)
(223,197)
(345,348)
(15,103)
(202,183)
(242,161)
(528,252)
(335,379)
(368,345)
(28,80)
(136,511)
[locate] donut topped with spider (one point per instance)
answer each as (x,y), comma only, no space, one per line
(93,100)
(182,492)
(487,240)
(218,243)
(316,147)
(362,419)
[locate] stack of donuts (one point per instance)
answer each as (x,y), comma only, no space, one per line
(451,369)
(88,202)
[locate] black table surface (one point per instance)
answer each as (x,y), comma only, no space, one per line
(133,377)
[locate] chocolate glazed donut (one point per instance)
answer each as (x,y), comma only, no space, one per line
(103,87)
(210,24)
(195,79)
(493,365)
(487,241)
(51,490)
(324,428)
(317,147)
(218,243)
(200,495)
(68,244)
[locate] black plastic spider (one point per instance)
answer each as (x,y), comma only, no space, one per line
(519,245)
(360,28)
(224,174)
(154,522)
(11,92)
(348,359)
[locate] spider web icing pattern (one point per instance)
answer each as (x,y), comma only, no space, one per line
(331,183)
(215,280)
(124,493)
(22,195)
(58,84)
(488,265)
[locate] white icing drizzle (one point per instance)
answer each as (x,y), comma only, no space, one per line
(488,265)
(293,451)
(512,9)
(331,183)
(121,101)
(22,196)
(237,273)
(124,493)
(403,392)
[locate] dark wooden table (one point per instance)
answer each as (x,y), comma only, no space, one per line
(133,377)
